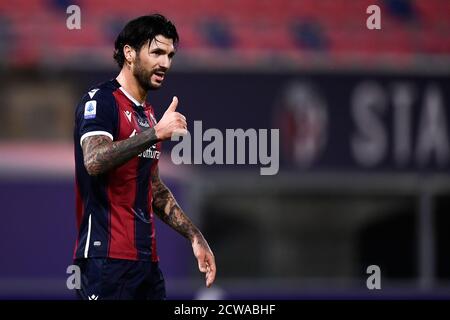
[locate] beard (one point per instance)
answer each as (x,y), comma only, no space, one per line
(143,76)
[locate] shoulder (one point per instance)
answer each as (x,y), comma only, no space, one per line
(100,95)
(102,91)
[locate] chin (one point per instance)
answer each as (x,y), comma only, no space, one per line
(155,85)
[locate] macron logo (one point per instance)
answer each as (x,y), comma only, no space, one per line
(92,92)
(93,297)
(128,115)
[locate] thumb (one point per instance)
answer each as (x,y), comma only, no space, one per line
(173,105)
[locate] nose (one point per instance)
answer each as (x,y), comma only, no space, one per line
(164,62)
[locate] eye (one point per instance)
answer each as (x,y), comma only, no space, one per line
(157,52)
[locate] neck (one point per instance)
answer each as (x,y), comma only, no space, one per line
(130,84)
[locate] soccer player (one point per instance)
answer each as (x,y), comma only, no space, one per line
(118,187)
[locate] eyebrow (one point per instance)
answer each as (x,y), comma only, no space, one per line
(160,50)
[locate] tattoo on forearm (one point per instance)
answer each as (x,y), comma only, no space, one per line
(102,155)
(166,207)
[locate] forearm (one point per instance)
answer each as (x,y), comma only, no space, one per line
(167,209)
(102,155)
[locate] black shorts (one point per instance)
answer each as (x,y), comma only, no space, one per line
(117,279)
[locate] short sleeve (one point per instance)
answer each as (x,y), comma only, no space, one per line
(97,114)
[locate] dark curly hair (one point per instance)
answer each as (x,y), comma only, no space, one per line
(140,30)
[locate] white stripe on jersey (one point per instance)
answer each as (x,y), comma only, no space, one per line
(86,247)
(95,133)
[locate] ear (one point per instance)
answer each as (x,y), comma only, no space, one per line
(129,53)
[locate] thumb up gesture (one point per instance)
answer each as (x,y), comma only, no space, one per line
(172,122)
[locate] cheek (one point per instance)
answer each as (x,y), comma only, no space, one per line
(146,63)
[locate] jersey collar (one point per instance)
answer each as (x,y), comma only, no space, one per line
(137,103)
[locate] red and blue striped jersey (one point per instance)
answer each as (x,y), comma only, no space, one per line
(114,210)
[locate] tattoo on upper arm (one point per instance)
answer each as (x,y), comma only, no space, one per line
(101,154)
(94,153)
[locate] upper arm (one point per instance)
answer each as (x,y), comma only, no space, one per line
(91,147)
(97,115)
(96,123)
(92,143)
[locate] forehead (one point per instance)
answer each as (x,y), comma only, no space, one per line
(162,42)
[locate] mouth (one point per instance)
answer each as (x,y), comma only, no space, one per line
(159,75)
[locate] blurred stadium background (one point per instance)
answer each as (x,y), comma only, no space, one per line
(364,155)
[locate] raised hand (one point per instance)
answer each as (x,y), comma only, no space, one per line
(171,123)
